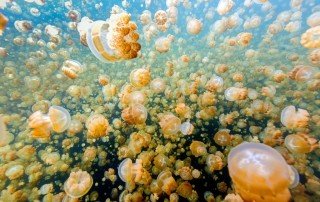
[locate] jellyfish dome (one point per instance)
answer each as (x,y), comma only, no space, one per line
(60,118)
(78,184)
(259,173)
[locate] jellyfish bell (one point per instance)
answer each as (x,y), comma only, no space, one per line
(186,128)
(60,118)
(263,164)
(166,182)
(15,171)
(224,6)
(222,137)
(194,26)
(78,184)
(300,143)
(292,118)
(310,39)
(158,85)
(170,124)
(140,77)
(163,44)
(135,114)
(40,125)
(3,23)
(314,19)
(301,73)
(235,93)
(198,148)
(97,125)
(71,68)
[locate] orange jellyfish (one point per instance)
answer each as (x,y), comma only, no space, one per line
(140,77)
(97,125)
(198,148)
(40,125)
(135,114)
(310,39)
(166,182)
(78,184)
(3,23)
(130,172)
(300,143)
(194,26)
(292,118)
(60,118)
(222,137)
(170,124)
(158,85)
(71,68)
(259,173)
(235,93)
(301,73)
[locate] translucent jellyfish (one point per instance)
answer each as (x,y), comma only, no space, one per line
(166,182)
(301,73)
(222,137)
(235,93)
(214,162)
(71,68)
(194,26)
(97,125)
(293,26)
(224,6)
(163,44)
(259,173)
(185,190)
(186,128)
(170,124)
(198,148)
(160,17)
(158,85)
(60,118)
(15,171)
(244,38)
(78,184)
(23,25)
(292,118)
(314,19)
(40,125)
(135,114)
(145,17)
(3,23)
(310,39)
(300,143)
(140,77)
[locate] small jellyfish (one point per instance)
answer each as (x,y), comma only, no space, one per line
(222,137)
(214,84)
(160,17)
(60,118)
(135,114)
(158,85)
(194,26)
(300,143)
(78,184)
(170,124)
(292,118)
(235,93)
(186,128)
(140,77)
(166,182)
(224,6)
(214,162)
(40,125)
(163,44)
(198,148)
(3,23)
(314,19)
(97,125)
(310,39)
(301,73)
(259,173)
(15,171)
(244,38)
(71,68)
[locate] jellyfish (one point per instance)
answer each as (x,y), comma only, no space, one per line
(314,19)
(186,128)
(310,38)
(292,118)
(140,77)
(301,73)
(244,38)
(170,124)
(71,68)
(300,143)
(98,126)
(222,137)
(135,114)
(314,57)
(214,162)
(5,138)
(259,173)
(40,125)
(194,26)
(161,18)
(78,184)
(158,85)
(163,44)
(198,148)
(60,118)
(224,6)
(235,93)
(214,84)
(166,182)
(3,23)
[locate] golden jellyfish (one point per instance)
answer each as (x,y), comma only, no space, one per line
(259,173)
(170,124)
(60,118)
(103,79)
(301,73)
(224,6)
(183,110)
(137,97)
(198,148)
(166,182)
(158,85)
(71,68)
(40,125)
(186,128)
(98,126)
(194,26)
(300,143)
(160,17)
(214,162)
(163,44)
(3,23)
(292,118)
(75,127)
(244,38)
(78,184)
(314,19)
(14,171)
(214,84)
(140,77)
(145,17)
(112,40)
(310,39)
(135,114)
(222,137)
(130,172)
(235,93)
(109,91)
(314,57)
(185,190)
(138,141)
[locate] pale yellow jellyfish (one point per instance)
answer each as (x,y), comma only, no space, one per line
(292,118)
(60,118)
(135,114)
(166,182)
(314,19)
(170,124)
(71,68)
(259,173)
(5,138)
(14,171)
(235,93)
(3,23)
(222,137)
(194,26)
(78,184)
(40,125)
(158,85)
(301,73)
(300,143)
(311,39)
(214,162)
(224,6)
(140,77)
(97,125)
(198,148)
